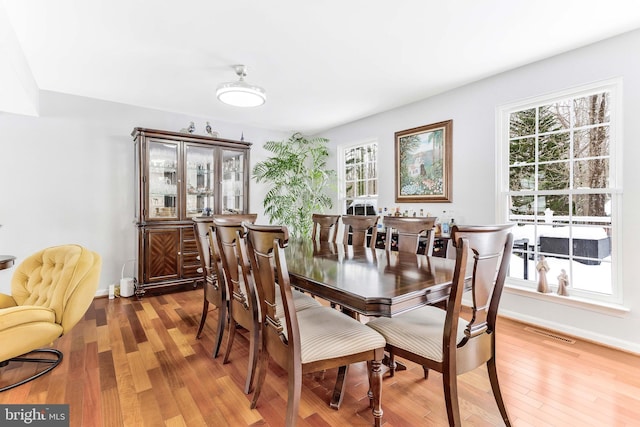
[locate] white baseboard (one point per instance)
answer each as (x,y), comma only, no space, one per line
(605,340)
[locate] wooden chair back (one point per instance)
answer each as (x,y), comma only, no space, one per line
(490,248)
(243,303)
(409,230)
(358,228)
(325,227)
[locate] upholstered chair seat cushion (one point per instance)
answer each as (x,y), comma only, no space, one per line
(326,333)
(301,301)
(418,331)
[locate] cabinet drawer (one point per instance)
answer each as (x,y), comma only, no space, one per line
(191,271)
(190,259)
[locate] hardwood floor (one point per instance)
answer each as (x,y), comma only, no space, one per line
(137,363)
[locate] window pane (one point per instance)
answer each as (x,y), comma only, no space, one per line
(522,151)
(522,178)
(592,142)
(350,173)
(349,157)
(359,155)
(371,170)
(554,117)
(548,120)
(553,176)
(522,205)
(591,173)
(359,172)
(595,206)
(373,187)
(553,147)
(350,187)
(591,109)
(522,123)
(558,204)
(361,188)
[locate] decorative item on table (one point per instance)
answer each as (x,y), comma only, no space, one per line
(210,131)
(190,129)
(542,267)
(563,283)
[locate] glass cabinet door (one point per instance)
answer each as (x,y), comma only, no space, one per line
(233,180)
(163,179)
(199,180)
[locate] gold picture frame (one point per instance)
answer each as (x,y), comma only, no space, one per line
(423,163)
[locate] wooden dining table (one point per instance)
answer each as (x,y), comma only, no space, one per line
(367,281)
(371,282)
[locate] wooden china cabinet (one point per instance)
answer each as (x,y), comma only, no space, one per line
(180,176)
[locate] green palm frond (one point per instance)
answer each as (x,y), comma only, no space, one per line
(298,179)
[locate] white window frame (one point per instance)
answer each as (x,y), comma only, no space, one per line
(373,198)
(614,87)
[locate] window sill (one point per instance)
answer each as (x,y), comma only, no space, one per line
(571,301)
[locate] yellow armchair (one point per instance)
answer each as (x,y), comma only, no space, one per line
(50,292)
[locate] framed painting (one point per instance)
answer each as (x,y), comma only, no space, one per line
(423,163)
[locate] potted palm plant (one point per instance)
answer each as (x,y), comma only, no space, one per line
(298,179)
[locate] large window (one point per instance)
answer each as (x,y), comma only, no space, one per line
(360,178)
(559,185)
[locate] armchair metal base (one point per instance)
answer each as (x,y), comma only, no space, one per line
(51,362)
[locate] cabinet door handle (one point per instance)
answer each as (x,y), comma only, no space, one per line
(179,253)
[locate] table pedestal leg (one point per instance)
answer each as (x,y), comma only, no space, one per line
(338,391)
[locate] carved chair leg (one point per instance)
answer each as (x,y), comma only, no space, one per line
(375,375)
(205,310)
(495,386)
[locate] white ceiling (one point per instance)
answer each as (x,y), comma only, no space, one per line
(323,63)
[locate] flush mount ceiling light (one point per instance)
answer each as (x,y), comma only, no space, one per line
(241,93)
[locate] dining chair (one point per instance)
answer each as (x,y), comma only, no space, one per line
(356,230)
(409,230)
(214,287)
(243,304)
(325,227)
(442,340)
(306,341)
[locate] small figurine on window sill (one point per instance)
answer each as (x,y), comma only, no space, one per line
(542,267)
(563,283)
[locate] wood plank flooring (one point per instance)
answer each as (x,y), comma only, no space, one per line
(137,363)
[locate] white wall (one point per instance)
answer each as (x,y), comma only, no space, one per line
(67,177)
(473,110)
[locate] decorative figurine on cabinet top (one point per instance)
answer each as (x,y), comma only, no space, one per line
(210,131)
(190,129)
